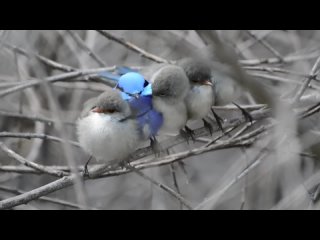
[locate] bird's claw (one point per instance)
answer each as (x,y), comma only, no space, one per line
(155,146)
(188,133)
(247,116)
(86,170)
(208,126)
(219,121)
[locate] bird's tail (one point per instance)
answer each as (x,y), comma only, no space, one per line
(124,70)
(110,76)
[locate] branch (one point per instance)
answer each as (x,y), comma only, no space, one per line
(81,44)
(33,165)
(46,61)
(288,59)
(31,118)
(46,199)
(39,136)
(132,47)
(200,132)
(281,79)
(99,171)
(266,45)
(60,77)
(161,186)
(166,144)
(305,85)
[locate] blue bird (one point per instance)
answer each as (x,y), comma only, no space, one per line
(138,93)
(170,87)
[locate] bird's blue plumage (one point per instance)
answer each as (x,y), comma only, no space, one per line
(138,92)
(149,120)
(132,83)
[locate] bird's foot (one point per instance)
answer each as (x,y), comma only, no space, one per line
(208,126)
(191,133)
(219,120)
(124,163)
(155,146)
(86,170)
(187,133)
(245,113)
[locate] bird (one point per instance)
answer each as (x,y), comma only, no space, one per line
(203,75)
(138,93)
(106,129)
(200,97)
(170,85)
(226,91)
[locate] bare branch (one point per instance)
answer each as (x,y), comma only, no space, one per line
(60,77)
(306,83)
(31,118)
(266,45)
(98,172)
(46,199)
(287,59)
(132,47)
(25,162)
(39,136)
(46,61)
(80,42)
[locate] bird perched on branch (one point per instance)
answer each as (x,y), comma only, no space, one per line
(209,87)
(138,93)
(170,86)
(200,96)
(106,128)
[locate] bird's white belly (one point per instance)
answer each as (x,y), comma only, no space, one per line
(199,102)
(107,140)
(174,116)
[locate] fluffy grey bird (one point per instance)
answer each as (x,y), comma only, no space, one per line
(200,96)
(170,86)
(105,128)
(209,87)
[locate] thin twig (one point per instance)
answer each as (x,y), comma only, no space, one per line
(35,135)
(175,181)
(60,77)
(46,199)
(46,61)
(31,118)
(80,42)
(33,165)
(276,70)
(132,47)
(305,85)
(178,196)
(214,198)
(266,45)
(288,59)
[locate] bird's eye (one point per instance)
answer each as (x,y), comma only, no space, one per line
(102,110)
(110,111)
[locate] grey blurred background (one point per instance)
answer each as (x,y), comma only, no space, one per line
(286,179)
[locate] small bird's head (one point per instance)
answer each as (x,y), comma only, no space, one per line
(198,71)
(170,83)
(131,83)
(110,103)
